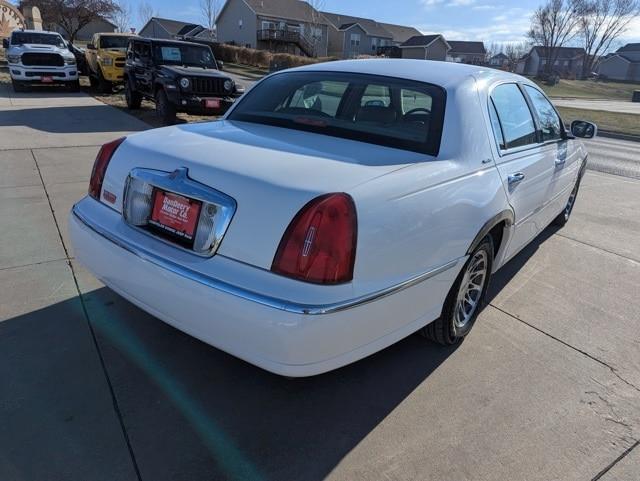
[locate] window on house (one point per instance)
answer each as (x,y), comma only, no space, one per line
(268,25)
(355,39)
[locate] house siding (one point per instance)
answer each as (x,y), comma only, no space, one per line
(615,68)
(228,24)
(154,30)
(348,51)
(86,33)
(418,53)
(437,50)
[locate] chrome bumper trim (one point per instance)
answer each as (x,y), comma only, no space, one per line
(275,303)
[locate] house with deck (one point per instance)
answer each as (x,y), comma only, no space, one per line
(287,26)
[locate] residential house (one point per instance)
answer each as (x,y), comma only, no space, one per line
(467,52)
(350,36)
(86,33)
(291,26)
(425,47)
(567,61)
(500,61)
(174,29)
(624,64)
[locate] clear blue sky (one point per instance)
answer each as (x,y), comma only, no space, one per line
(487,20)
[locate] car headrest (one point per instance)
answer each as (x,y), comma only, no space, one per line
(376,113)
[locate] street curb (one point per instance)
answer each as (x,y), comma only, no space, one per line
(619,136)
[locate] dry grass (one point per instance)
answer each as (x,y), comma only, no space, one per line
(609,121)
(590,89)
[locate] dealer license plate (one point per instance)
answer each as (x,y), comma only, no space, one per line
(212,103)
(175,214)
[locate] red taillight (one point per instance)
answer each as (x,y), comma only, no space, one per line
(100,167)
(320,243)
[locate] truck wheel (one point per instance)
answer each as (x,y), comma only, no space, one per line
(73,86)
(18,86)
(165,110)
(133,98)
(104,86)
(465,299)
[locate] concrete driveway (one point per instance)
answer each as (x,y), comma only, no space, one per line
(91,388)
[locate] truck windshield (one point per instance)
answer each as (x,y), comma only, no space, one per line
(181,54)
(21,38)
(393,112)
(114,42)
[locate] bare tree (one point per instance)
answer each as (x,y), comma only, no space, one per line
(209,10)
(316,22)
(145,13)
(553,25)
(514,52)
(122,17)
(601,23)
(72,15)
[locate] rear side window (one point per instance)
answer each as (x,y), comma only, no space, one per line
(393,112)
(518,128)
(547,116)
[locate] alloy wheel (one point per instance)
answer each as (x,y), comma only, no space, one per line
(471,287)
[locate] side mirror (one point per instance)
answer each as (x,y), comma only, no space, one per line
(584,129)
(91,46)
(5,43)
(220,64)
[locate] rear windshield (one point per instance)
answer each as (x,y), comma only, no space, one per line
(21,38)
(380,110)
(113,42)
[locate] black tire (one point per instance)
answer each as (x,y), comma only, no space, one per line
(133,98)
(93,80)
(563,217)
(73,86)
(19,86)
(446,330)
(165,110)
(104,86)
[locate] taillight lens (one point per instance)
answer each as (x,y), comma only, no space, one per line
(320,243)
(100,167)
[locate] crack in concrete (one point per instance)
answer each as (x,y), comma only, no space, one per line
(584,353)
(615,461)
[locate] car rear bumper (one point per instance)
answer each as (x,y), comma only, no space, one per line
(282,336)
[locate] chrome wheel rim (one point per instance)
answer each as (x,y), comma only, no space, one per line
(471,287)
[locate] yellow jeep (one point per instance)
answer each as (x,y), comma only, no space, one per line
(105,57)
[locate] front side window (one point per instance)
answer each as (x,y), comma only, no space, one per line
(549,120)
(386,111)
(355,39)
(515,117)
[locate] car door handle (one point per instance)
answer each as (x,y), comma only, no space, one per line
(516,178)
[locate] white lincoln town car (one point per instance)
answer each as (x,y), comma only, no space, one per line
(334,210)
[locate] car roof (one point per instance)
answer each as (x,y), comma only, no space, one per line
(168,40)
(439,73)
(35,31)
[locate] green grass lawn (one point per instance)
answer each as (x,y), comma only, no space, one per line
(590,89)
(611,121)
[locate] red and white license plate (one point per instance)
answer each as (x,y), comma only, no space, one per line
(175,214)
(212,103)
(46,80)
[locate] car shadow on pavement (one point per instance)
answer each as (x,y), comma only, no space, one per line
(194,412)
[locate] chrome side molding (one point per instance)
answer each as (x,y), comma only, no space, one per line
(269,301)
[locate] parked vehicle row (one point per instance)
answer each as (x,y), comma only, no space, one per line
(334,210)
(177,76)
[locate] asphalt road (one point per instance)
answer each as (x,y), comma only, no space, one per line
(612,156)
(622,106)
(546,387)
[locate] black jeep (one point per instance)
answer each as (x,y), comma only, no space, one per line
(178,76)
